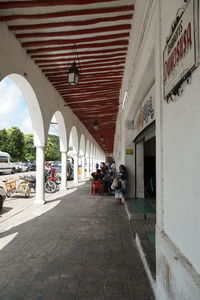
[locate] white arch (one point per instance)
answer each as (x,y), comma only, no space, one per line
(91,150)
(74,139)
(61,130)
(88,148)
(33,106)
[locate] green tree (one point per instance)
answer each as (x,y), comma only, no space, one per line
(3,140)
(15,143)
(29,148)
(52,151)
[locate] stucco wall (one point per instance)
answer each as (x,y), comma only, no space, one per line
(181,164)
(178,256)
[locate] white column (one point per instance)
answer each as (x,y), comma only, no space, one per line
(75,168)
(39,196)
(63,170)
(83,167)
(88,166)
(91,165)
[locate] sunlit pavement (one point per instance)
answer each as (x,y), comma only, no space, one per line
(76,246)
(18,203)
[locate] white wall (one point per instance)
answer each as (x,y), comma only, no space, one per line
(178,231)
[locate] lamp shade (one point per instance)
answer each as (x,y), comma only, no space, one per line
(73,74)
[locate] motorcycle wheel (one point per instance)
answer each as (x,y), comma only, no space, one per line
(50,187)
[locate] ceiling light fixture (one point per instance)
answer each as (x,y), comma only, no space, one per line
(73,73)
(96,125)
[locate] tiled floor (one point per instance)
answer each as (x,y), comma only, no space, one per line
(77,246)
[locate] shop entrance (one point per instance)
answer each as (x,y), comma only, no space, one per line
(150,168)
(144,204)
(145,164)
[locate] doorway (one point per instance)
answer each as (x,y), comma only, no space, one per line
(150,168)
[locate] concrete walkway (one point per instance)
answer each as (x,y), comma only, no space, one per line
(74,247)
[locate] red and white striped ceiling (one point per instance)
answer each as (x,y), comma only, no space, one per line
(53,32)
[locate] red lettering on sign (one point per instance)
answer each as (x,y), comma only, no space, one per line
(181,48)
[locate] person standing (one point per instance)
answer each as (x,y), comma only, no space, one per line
(120,190)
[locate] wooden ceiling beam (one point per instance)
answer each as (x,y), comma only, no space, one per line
(70,23)
(75,32)
(100,62)
(83,66)
(84,69)
(89,77)
(115,51)
(68,13)
(76,41)
(95,82)
(88,87)
(45,3)
(81,46)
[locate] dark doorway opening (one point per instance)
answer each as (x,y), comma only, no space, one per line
(150,168)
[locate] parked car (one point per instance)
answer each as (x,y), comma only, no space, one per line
(70,170)
(2,197)
(31,165)
(22,167)
(6,164)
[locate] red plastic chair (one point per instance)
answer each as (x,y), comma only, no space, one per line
(97,185)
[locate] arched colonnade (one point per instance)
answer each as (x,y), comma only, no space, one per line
(69,128)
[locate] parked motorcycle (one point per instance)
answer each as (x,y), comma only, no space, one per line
(50,185)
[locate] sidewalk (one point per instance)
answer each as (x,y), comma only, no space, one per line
(74,247)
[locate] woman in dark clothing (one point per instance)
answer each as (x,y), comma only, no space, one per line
(98,175)
(120,192)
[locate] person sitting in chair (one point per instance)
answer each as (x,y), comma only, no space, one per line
(98,175)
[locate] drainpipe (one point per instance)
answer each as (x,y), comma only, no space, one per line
(40,196)
(63,170)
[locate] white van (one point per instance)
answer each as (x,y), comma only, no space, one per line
(6,164)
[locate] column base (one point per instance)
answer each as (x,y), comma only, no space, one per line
(40,202)
(63,188)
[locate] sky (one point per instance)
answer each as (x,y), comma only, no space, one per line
(14,110)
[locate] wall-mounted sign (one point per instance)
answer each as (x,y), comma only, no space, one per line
(146,112)
(179,53)
(129,151)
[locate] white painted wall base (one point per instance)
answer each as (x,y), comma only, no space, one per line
(176,277)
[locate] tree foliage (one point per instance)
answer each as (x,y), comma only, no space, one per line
(29,148)
(15,143)
(3,140)
(21,146)
(52,151)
